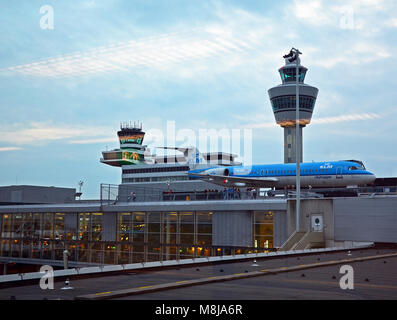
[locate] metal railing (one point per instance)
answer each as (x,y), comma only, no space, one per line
(108,193)
(112,194)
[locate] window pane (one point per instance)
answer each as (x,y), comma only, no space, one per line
(170,217)
(17,225)
(59,226)
(154,217)
(204,240)
(153,238)
(186,228)
(36,225)
(264,229)
(169,228)
(138,217)
(187,239)
(138,236)
(96,226)
(204,217)
(204,228)
(124,226)
(138,227)
(264,217)
(169,238)
(6,226)
(154,227)
(186,252)
(84,224)
(263,242)
(124,254)
(48,226)
(186,217)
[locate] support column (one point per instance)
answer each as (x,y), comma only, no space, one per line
(290,144)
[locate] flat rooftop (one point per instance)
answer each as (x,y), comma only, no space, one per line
(258,204)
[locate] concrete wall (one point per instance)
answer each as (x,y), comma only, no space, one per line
(290,144)
(348,220)
(311,207)
(109,226)
(280,233)
(36,194)
(366,219)
(231,228)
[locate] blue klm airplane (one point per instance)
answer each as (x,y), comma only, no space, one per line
(314,174)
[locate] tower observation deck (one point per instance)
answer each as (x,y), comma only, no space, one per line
(283,101)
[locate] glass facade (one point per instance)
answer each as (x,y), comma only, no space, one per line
(132,236)
(288,74)
(155,170)
(289,102)
(263,229)
(155,179)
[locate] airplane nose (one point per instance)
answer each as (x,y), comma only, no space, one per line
(372,177)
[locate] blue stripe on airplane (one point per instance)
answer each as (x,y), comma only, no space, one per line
(306,169)
(289,169)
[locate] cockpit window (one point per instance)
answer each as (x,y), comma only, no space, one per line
(359,165)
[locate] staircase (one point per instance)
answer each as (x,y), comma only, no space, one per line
(292,240)
(304,240)
(310,240)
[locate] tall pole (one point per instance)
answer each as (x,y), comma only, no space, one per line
(298,182)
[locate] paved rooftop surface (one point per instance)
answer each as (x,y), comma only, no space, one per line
(373,279)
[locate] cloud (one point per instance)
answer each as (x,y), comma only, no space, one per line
(37,132)
(346,118)
(92,141)
(4,149)
(391,23)
(358,53)
(89,4)
(311,11)
(236,37)
(351,15)
(151,52)
(323,120)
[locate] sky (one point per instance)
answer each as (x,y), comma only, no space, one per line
(71,71)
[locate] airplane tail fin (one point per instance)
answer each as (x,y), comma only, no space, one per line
(192,154)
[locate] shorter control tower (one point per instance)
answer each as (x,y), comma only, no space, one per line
(131,149)
(283,100)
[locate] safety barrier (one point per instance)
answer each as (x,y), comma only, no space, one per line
(168,263)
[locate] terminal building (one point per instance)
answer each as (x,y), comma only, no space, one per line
(131,232)
(139,232)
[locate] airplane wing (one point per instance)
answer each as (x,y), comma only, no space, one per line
(230,181)
(183,150)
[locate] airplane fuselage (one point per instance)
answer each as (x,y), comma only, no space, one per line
(314,174)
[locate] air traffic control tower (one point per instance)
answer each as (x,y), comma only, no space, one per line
(283,100)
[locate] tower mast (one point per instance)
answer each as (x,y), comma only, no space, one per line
(293,103)
(284,98)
